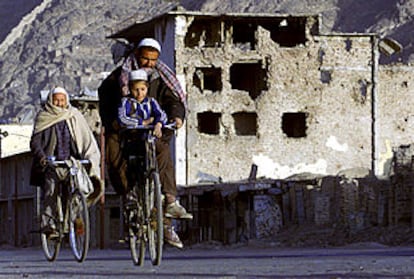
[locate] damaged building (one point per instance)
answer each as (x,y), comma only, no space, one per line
(267,90)
(270,92)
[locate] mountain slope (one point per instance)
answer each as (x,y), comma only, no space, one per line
(66,43)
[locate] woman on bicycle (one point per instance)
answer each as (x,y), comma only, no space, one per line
(61,131)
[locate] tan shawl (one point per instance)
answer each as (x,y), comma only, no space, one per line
(78,127)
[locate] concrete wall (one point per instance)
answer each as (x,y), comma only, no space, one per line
(306,106)
(395,111)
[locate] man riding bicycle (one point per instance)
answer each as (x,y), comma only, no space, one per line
(61,131)
(166,89)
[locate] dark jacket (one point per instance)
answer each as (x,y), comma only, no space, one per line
(39,144)
(169,102)
(110,96)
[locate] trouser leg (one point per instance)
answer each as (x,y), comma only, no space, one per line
(166,168)
(116,164)
(50,197)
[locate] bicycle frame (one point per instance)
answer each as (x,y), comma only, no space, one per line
(149,211)
(73,220)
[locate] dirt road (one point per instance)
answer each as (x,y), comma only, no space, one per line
(357,261)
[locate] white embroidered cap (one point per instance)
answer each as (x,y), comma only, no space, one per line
(138,75)
(149,42)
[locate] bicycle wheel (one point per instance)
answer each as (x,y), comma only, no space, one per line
(51,242)
(137,241)
(78,225)
(156,228)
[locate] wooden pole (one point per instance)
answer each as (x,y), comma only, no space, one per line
(102,201)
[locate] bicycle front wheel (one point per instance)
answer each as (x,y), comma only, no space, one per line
(156,228)
(50,245)
(51,242)
(78,225)
(136,230)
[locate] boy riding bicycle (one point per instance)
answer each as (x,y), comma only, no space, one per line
(139,110)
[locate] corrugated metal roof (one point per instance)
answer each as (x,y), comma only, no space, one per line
(17,140)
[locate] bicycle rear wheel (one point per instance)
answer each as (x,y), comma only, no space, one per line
(137,238)
(51,242)
(78,225)
(156,228)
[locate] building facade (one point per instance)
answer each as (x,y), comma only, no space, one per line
(271,90)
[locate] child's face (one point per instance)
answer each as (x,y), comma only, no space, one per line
(138,90)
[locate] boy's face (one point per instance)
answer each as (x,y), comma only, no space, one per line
(138,90)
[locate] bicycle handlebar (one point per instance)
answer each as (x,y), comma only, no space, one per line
(171,126)
(61,163)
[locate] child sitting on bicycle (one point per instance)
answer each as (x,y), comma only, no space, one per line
(139,110)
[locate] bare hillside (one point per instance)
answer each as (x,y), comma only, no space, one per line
(64,42)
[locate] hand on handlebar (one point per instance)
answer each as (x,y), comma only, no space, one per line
(178,122)
(157,130)
(44,161)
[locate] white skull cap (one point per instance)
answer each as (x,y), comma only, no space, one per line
(138,75)
(59,90)
(149,42)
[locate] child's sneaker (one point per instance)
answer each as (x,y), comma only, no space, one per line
(176,211)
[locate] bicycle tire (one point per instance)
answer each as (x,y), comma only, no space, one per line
(137,237)
(51,245)
(156,227)
(79,229)
(137,247)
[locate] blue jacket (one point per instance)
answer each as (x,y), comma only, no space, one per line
(132,113)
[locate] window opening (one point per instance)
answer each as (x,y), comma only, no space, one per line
(245,123)
(249,77)
(208,79)
(294,124)
(285,31)
(203,33)
(290,31)
(209,122)
(243,35)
